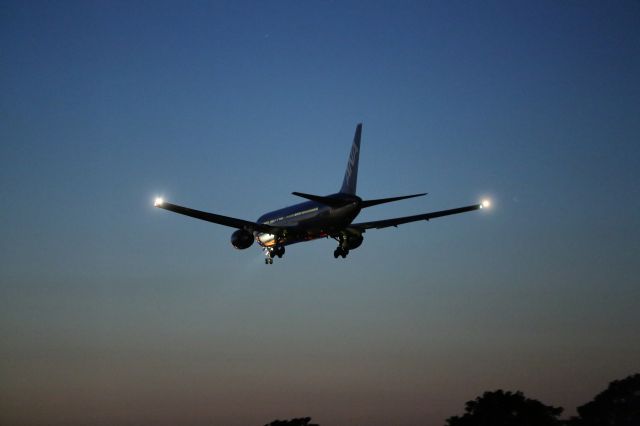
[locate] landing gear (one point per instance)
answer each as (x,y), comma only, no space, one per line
(340,252)
(271,252)
(343,246)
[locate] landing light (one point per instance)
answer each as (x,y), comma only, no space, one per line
(158,201)
(485,204)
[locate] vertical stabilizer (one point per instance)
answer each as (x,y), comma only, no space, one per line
(351,173)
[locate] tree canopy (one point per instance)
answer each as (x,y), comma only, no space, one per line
(499,408)
(302,421)
(618,405)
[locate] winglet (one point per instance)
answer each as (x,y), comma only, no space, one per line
(351,173)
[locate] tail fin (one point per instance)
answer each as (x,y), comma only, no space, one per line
(351,173)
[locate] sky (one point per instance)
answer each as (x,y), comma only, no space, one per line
(116,313)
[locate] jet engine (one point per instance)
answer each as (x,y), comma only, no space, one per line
(241,239)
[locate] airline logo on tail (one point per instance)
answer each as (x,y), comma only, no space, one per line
(351,173)
(352,161)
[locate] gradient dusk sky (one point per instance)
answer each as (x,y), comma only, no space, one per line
(116,313)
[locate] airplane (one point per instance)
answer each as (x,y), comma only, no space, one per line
(319,217)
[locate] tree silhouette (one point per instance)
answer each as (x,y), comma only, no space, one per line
(618,405)
(501,408)
(302,421)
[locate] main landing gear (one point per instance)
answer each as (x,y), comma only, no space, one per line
(272,252)
(340,252)
(342,249)
(347,239)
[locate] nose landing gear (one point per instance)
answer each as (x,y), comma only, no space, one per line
(271,252)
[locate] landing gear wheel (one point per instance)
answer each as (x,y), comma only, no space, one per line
(271,252)
(340,252)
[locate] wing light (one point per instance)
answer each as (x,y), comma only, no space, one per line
(158,201)
(485,204)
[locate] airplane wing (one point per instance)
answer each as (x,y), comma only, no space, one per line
(219,219)
(379,224)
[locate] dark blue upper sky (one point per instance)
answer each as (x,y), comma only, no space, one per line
(113,312)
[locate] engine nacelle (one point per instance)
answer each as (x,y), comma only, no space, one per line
(351,241)
(241,239)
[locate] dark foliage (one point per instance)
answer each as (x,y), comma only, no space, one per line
(302,421)
(501,408)
(618,405)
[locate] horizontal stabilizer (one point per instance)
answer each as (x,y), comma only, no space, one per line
(369,203)
(328,201)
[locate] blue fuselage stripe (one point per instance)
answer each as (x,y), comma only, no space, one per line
(294,214)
